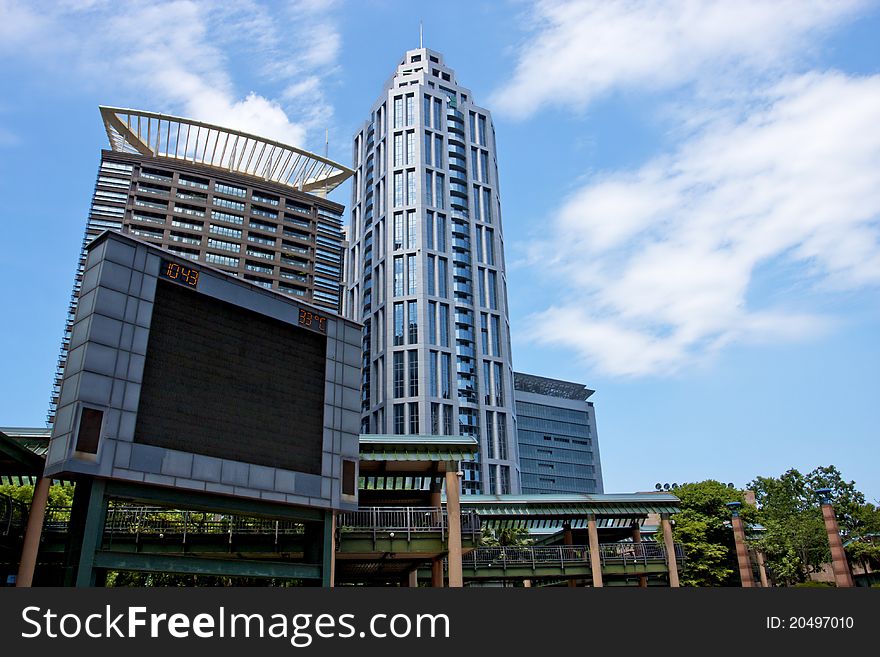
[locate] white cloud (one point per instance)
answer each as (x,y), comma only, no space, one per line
(177,56)
(582,49)
(660,261)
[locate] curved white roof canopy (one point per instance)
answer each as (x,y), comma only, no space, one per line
(176,138)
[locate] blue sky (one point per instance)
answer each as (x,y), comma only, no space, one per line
(690,190)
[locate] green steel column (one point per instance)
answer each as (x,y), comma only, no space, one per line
(93,533)
(328,551)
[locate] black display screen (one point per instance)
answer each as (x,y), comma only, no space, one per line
(224,381)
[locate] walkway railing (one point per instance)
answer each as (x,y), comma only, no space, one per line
(13,516)
(562,555)
(407,519)
(135,519)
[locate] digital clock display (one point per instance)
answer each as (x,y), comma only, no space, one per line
(312,320)
(178,273)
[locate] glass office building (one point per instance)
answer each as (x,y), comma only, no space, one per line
(425,270)
(558,445)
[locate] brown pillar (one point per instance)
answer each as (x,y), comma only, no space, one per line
(742,551)
(842,575)
(762,569)
(413,580)
(595,557)
(669,545)
(637,540)
(33,533)
(437,573)
(453,515)
(567,540)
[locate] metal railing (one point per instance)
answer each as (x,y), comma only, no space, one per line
(562,555)
(406,519)
(13,516)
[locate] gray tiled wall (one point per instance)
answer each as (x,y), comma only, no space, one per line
(105,367)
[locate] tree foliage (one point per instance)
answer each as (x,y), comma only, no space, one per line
(795,541)
(703,529)
(513,536)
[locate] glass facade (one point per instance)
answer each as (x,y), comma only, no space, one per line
(556,434)
(431,160)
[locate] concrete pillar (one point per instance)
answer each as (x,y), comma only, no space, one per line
(842,575)
(413,581)
(437,573)
(453,514)
(637,540)
(669,545)
(33,532)
(762,569)
(595,557)
(567,540)
(742,552)
(527,583)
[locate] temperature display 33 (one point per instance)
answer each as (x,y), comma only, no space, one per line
(312,320)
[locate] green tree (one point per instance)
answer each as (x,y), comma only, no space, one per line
(703,530)
(60,495)
(795,542)
(513,536)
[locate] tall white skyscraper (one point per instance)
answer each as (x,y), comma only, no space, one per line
(425,270)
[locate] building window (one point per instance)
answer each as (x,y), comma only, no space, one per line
(432,322)
(429,229)
(398,324)
(442,271)
(410,147)
(438,114)
(412,313)
(499,384)
(429,188)
(438,151)
(398,276)
(444,325)
(398,374)
(411,229)
(398,230)
(431,276)
(411,274)
(493,289)
(410,187)
(505,479)
(413,418)
(501,428)
(410,112)
(496,335)
(435,419)
(398,189)
(441,232)
(399,423)
(413,358)
(398,112)
(398,150)
(445,367)
(439,192)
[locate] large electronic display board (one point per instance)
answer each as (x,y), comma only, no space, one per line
(180,375)
(223,381)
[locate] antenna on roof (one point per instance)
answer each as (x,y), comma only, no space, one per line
(420,35)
